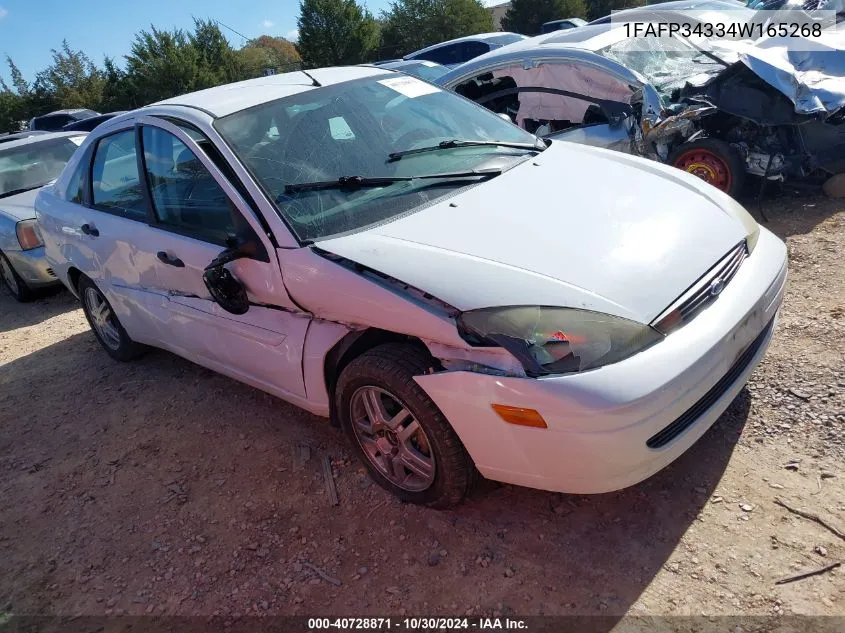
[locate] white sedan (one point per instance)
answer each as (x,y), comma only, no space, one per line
(458,295)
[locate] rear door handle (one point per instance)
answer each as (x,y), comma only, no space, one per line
(89,230)
(170,261)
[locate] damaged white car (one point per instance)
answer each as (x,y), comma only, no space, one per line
(394,257)
(771,109)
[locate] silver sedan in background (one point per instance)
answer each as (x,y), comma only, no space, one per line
(26,165)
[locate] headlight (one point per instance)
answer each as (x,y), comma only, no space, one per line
(557,340)
(28,236)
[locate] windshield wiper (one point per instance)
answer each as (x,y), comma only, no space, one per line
(352,183)
(450,144)
(15,192)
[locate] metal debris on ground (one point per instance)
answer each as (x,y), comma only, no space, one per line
(811,516)
(323,575)
(807,574)
(329,476)
(301,455)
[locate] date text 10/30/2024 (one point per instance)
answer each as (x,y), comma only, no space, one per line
(416,624)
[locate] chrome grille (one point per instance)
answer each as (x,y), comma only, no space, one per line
(703,292)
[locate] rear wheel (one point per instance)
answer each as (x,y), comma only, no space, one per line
(13,282)
(399,433)
(105,324)
(714,161)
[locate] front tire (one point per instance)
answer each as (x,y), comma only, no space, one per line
(13,282)
(105,324)
(714,161)
(399,433)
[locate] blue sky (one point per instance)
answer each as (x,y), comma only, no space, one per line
(30,28)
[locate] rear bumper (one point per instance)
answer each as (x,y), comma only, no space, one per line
(33,267)
(607,428)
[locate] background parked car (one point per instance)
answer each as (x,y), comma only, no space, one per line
(563,25)
(55,121)
(86,125)
(463,49)
(26,165)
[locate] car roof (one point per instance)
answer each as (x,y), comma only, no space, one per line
(584,41)
(38,138)
(8,137)
(68,111)
(570,20)
(399,64)
(229,98)
(700,8)
(480,37)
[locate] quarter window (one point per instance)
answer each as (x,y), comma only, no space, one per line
(115,185)
(185,195)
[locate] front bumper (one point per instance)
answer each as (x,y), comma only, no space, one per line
(32,267)
(599,422)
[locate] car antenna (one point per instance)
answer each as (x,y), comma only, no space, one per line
(314,82)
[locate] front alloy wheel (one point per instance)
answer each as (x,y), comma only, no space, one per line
(392,439)
(404,440)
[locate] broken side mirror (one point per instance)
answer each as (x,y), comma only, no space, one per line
(227,292)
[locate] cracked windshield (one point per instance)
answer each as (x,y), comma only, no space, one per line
(666,62)
(349,132)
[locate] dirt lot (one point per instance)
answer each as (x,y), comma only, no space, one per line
(160,487)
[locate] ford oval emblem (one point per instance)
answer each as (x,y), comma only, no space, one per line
(716,287)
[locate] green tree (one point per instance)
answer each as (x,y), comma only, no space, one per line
(118,93)
(335,32)
(163,64)
(71,81)
(528,16)
(216,55)
(13,110)
(599,8)
(413,24)
(14,101)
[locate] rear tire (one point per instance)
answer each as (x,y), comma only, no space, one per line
(105,324)
(406,429)
(14,284)
(714,161)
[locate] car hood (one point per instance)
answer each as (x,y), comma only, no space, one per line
(575,226)
(19,207)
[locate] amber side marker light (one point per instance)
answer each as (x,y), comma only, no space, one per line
(520,416)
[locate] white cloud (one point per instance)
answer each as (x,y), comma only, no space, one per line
(3,13)
(267,24)
(492,3)
(292,35)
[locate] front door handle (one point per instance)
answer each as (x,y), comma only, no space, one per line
(164,258)
(89,230)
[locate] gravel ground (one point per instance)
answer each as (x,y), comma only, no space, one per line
(158,487)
